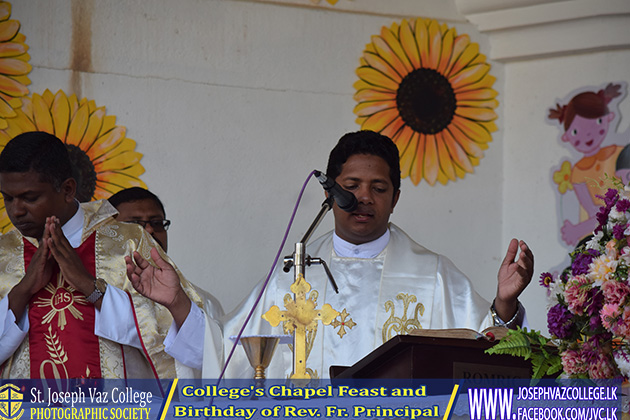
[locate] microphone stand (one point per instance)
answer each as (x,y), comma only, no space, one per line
(300,259)
(274,316)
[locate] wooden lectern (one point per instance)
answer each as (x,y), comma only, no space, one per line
(415,357)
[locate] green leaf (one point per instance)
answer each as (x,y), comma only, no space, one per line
(530,345)
(555,364)
(539,366)
(516,343)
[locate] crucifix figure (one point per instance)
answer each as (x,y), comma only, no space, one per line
(300,318)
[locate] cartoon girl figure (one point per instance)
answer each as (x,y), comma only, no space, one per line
(586,120)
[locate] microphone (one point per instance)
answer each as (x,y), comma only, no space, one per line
(344,199)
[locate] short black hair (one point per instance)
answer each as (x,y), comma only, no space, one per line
(40,152)
(134,194)
(365,142)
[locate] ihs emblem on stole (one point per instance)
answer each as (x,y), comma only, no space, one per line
(61,298)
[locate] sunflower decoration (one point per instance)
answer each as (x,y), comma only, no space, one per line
(430,91)
(103,158)
(14,65)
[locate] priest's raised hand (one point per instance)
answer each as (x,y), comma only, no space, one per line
(159,283)
(513,277)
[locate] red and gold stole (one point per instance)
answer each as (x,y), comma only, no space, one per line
(61,336)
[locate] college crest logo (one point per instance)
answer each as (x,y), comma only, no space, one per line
(10,402)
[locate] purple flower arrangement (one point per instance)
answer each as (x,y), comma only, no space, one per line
(589,315)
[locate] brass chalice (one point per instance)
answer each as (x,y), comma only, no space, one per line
(259,350)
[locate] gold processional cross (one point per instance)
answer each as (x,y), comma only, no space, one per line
(300,318)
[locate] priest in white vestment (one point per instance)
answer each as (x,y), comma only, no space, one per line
(388,284)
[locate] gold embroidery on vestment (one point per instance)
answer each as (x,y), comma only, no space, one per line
(402,325)
(56,352)
(62,298)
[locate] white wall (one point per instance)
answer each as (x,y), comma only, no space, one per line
(233,103)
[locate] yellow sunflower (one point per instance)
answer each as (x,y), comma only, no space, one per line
(14,66)
(103,158)
(430,91)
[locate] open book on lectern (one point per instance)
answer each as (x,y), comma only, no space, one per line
(489,334)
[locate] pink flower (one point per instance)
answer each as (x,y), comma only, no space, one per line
(623,327)
(576,293)
(573,362)
(602,368)
(609,314)
(611,250)
(615,292)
